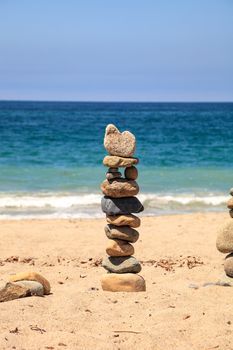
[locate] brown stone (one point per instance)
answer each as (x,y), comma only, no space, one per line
(230,203)
(119,144)
(124,220)
(118,188)
(125,233)
(131,173)
(126,282)
(224,241)
(231,213)
(32,276)
(115,161)
(118,247)
(228,265)
(12,291)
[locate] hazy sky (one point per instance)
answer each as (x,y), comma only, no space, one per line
(122,50)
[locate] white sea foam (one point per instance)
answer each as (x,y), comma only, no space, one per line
(185,199)
(71,205)
(48,200)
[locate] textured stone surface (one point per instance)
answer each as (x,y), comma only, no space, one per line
(120,188)
(228,265)
(131,173)
(115,161)
(119,248)
(124,220)
(230,203)
(126,282)
(224,241)
(119,144)
(11,291)
(111,176)
(35,288)
(121,264)
(31,276)
(126,233)
(231,213)
(121,206)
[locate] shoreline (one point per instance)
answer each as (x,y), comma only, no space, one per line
(142,216)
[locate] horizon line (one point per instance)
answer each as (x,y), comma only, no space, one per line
(113,101)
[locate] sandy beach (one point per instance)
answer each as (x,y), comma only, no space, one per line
(176,252)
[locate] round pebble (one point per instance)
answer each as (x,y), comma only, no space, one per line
(131,173)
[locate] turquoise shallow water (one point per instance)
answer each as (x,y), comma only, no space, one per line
(51,155)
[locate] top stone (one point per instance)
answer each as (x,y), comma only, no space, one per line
(119,144)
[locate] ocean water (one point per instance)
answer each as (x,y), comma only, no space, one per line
(51,156)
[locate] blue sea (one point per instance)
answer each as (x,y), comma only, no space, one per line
(51,156)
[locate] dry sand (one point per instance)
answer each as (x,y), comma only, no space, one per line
(79,315)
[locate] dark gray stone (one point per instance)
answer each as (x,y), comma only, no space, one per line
(121,206)
(121,264)
(113,170)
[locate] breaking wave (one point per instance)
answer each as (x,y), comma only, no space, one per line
(71,205)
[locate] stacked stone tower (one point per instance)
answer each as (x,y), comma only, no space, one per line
(225,240)
(118,203)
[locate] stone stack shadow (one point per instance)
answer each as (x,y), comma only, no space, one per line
(120,204)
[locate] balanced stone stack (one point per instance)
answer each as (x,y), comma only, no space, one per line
(225,239)
(120,204)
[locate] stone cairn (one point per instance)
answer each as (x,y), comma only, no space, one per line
(225,240)
(118,203)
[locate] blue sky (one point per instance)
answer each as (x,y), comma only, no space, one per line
(124,50)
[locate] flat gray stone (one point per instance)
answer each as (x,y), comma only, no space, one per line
(121,206)
(35,288)
(122,264)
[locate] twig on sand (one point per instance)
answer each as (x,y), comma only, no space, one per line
(127,332)
(38,329)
